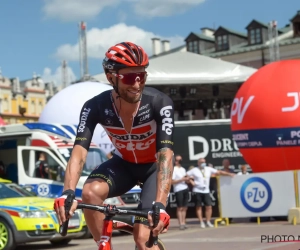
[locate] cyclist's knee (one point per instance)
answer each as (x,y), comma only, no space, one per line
(95,191)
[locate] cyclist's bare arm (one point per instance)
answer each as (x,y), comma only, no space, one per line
(74,167)
(164,174)
(85,130)
(164,116)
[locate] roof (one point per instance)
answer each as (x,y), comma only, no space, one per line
(285,38)
(296,15)
(179,48)
(201,37)
(265,25)
(190,68)
(232,32)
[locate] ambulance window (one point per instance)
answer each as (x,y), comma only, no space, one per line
(26,161)
(48,168)
(103,156)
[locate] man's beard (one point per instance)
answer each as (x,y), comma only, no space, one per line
(130,99)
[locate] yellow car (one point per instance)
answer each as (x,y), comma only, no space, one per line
(24,217)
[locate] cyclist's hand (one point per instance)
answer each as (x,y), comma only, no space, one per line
(163,224)
(59,206)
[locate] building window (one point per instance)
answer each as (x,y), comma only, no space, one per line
(5,105)
(33,108)
(255,36)
(193,91)
(173,91)
(40,108)
(193,46)
(222,42)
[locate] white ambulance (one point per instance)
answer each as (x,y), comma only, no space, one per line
(22,144)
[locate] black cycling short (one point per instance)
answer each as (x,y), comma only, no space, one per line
(202,198)
(182,198)
(122,176)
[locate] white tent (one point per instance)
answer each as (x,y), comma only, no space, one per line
(190,68)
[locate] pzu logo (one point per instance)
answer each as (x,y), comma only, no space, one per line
(256,194)
(168,121)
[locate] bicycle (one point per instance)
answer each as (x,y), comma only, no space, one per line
(109,224)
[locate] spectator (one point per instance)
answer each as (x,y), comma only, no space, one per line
(226,166)
(41,167)
(201,176)
(243,170)
(190,167)
(181,190)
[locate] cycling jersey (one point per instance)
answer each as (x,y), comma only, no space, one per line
(152,127)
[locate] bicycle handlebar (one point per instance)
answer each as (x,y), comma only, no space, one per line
(104,209)
(112,210)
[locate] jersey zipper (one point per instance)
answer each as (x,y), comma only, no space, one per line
(120,119)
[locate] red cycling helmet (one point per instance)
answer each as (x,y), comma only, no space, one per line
(124,55)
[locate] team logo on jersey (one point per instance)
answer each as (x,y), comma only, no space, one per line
(108,112)
(130,146)
(83,119)
(108,121)
(143,107)
(167,123)
(132,136)
(145,118)
(143,113)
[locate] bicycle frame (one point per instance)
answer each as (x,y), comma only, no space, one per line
(109,226)
(105,240)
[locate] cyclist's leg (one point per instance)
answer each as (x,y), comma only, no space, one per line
(110,179)
(148,195)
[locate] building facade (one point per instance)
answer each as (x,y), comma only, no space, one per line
(259,45)
(23,101)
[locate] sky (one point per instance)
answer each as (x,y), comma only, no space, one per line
(37,35)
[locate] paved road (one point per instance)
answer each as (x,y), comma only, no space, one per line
(239,236)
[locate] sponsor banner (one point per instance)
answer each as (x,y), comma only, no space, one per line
(213,142)
(257,195)
(267,138)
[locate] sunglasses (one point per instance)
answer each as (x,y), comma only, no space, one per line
(131,78)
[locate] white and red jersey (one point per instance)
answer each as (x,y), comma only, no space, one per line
(152,127)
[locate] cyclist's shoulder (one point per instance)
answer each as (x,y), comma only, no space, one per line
(100,98)
(156,95)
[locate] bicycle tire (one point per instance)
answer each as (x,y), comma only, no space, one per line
(160,244)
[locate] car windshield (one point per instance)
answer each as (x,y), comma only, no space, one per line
(94,158)
(11,190)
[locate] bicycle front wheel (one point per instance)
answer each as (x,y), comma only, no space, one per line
(160,244)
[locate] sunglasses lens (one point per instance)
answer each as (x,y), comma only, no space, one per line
(131,78)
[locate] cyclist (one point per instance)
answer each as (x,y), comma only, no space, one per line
(139,121)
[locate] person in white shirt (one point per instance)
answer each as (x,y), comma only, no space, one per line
(181,190)
(201,180)
(243,170)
